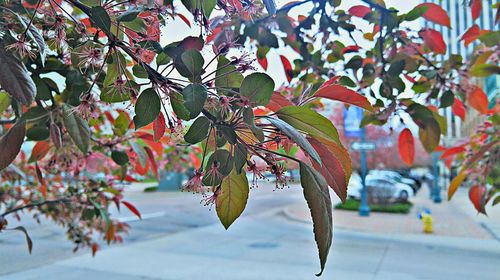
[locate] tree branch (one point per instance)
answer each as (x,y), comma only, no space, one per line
(33,205)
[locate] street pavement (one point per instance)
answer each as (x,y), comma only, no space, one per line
(180,239)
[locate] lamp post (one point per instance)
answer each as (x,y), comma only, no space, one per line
(436,192)
(364,209)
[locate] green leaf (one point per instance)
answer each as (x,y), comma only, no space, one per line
(228,76)
(224,161)
(295,136)
(198,130)
(447,99)
(240,157)
(484,70)
(233,198)
(147,108)
(129,15)
(258,88)
(10,144)
(101,18)
(415,13)
(78,129)
(318,199)
(4,102)
(309,121)
(121,124)
(35,114)
(207,6)
(177,102)
(191,66)
(38,133)
(429,134)
(194,96)
(396,68)
(120,157)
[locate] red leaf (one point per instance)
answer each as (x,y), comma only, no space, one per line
(262,62)
(452,151)
(39,151)
(336,167)
(288,67)
(476,196)
(109,117)
(343,94)
(476,6)
(458,109)
(434,40)
(470,35)
(478,100)
(359,11)
(95,247)
(406,145)
(152,161)
(132,208)
(159,127)
(184,19)
(436,14)
(350,49)
(278,101)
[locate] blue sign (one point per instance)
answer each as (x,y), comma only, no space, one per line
(352,121)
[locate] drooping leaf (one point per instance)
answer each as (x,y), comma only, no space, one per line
(78,129)
(198,130)
(132,208)
(476,7)
(233,197)
(416,13)
(288,68)
(458,109)
(224,161)
(194,96)
(15,78)
(436,14)
(406,145)
(336,168)
(477,197)
(278,101)
(309,121)
(39,151)
(296,137)
(147,108)
(258,88)
(455,183)
(478,100)
(28,239)
(262,61)
(340,93)
(10,144)
(191,65)
(429,134)
(470,35)
(177,102)
(318,199)
(101,18)
(434,40)
(195,6)
(159,127)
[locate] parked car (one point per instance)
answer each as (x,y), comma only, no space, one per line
(396,177)
(379,185)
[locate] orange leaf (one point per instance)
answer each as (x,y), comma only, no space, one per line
(159,127)
(470,35)
(458,109)
(452,151)
(478,100)
(262,62)
(350,49)
(343,94)
(39,151)
(477,197)
(434,40)
(406,145)
(436,14)
(359,11)
(95,247)
(132,208)
(278,101)
(476,6)
(455,183)
(288,68)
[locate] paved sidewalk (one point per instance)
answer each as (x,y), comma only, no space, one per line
(451,218)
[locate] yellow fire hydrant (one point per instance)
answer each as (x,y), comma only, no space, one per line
(427,221)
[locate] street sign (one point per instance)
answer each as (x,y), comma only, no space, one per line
(363,146)
(352,121)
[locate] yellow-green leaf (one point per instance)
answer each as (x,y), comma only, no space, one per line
(455,183)
(233,198)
